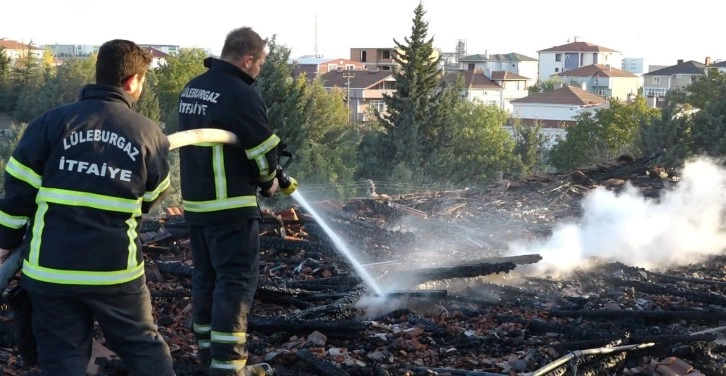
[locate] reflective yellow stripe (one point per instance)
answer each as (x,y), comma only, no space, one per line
(220,180)
(204,344)
(38,225)
(262,148)
(201,328)
(228,364)
(233,337)
(31,266)
(267,177)
(153,195)
(90,200)
(224,204)
(81,277)
(263,166)
(23,172)
(12,221)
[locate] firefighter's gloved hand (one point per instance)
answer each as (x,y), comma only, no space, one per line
(270,191)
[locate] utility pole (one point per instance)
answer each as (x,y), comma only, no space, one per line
(348,75)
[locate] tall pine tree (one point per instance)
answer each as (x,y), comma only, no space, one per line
(408,110)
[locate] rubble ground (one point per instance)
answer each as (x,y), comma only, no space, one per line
(458,303)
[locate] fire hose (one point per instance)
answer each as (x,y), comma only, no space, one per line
(13,263)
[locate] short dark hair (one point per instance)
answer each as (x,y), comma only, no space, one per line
(243,41)
(120,59)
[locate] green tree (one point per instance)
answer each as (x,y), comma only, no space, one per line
(543,86)
(5,85)
(605,134)
(172,76)
(312,122)
(148,103)
(483,146)
(529,150)
(27,78)
(408,115)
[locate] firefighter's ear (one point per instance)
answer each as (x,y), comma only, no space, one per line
(133,83)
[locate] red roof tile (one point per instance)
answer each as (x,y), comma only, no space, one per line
(566,95)
(473,79)
(596,70)
(578,47)
(13,45)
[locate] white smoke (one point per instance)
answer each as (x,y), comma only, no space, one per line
(683,225)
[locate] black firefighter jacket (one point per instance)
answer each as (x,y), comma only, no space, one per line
(219,182)
(78,181)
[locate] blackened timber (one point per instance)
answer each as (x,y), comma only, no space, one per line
(345,281)
(658,340)
(651,288)
(174,267)
(267,242)
(321,367)
(291,324)
(457,271)
(645,315)
(341,308)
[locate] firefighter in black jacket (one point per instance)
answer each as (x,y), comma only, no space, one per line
(78,181)
(219,188)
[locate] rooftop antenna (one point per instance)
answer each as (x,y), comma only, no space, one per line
(316,36)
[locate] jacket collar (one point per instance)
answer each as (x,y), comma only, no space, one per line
(107,93)
(227,67)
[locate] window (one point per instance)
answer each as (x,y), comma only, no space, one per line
(601,92)
(655,92)
(349,66)
(332,67)
(558,57)
(656,80)
(378,105)
(385,54)
(557,70)
(363,55)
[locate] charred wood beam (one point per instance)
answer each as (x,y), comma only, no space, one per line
(346,282)
(687,279)
(174,267)
(454,372)
(335,328)
(570,331)
(267,242)
(645,315)
(321,367)
(341,308)
(428,294)
(458,271)
(635,167)
(651,288)
(658,340)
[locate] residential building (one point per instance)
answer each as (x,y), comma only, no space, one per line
(363,89)
(498,88)
(574,55)
(720,66)
(603,80)
(555,110)
(170,49)
(381,58)
(659,82)
(158,57)
(72,50)
(14,49)
(513,62)
(315,66)
(635,65)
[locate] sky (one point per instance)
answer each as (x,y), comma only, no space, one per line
(660,34)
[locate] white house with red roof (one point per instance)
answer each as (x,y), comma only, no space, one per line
(558,59)
(494,88)
(603,80)
(14,49)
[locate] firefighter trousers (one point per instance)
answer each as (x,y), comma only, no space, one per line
(226,271)
(63,326)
